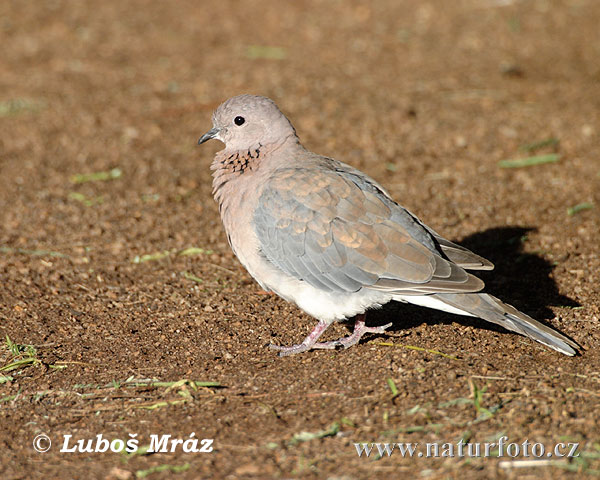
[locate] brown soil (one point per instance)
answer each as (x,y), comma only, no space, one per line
(426,97)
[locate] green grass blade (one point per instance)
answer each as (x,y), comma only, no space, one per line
(195,251)
(579,207)
(393,387)
(529,161)
(96,176)
(548,142)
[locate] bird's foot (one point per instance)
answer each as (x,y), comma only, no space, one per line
(310,342)
(359,330)
(306,345)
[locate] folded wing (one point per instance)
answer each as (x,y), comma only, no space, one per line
(340,232)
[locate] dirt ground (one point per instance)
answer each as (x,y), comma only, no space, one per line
(120,296)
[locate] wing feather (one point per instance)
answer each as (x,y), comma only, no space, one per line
(341,232)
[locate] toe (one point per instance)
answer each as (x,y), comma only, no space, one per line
(380,329)
(328,345)
(292,350)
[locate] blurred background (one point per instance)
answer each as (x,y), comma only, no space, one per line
(401,89)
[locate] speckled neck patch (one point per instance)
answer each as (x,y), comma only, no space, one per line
(239,162)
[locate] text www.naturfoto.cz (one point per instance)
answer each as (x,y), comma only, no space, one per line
(463,449)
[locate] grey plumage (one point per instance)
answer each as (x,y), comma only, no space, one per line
(327,237)
(362,239)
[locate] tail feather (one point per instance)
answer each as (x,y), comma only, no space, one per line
(493,310)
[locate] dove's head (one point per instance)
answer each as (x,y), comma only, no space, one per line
(248,121)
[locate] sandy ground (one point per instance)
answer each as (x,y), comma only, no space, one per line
(121,294)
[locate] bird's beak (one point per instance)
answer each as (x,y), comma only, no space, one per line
(212,133)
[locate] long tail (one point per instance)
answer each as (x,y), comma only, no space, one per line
(489,308)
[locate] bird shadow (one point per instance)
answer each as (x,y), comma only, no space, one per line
(519,278)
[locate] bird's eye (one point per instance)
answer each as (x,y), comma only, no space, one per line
(239,120)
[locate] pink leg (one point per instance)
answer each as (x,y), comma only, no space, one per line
(307,344)
(310,341)
(359,330)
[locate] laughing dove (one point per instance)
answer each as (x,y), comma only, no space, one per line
(328,238)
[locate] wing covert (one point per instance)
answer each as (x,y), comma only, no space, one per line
(340,232)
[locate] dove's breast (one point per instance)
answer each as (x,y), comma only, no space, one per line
(238,193)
